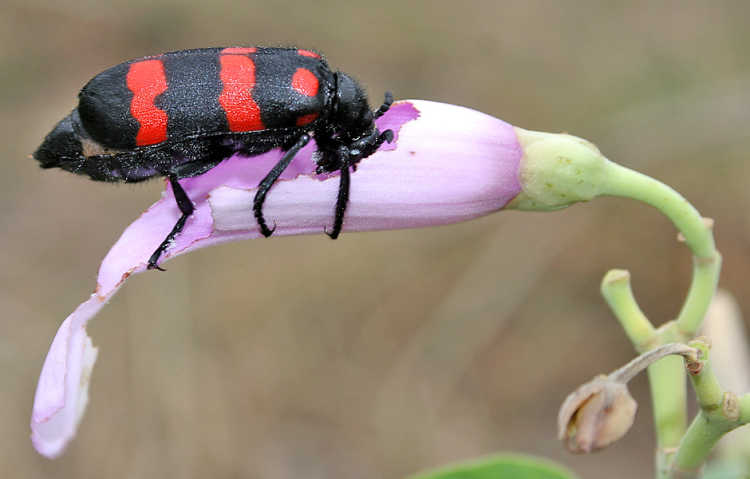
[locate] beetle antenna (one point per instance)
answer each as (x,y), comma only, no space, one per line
(385,106)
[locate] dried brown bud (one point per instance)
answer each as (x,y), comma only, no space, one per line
(595,415)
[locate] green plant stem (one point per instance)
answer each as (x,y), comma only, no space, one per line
(625,182)
(720,413)
(666,377)
(669,400)
(708,391)
(699,439)
(705,280)
(619,295)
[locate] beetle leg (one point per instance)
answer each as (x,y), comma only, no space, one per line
(375,142)
(386,136)
(186,207)
(344,182)
(270,179)
(385,106)
(341,203)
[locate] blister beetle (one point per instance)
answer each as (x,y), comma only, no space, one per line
(180,114)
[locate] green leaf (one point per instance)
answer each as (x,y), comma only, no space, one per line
(510,466)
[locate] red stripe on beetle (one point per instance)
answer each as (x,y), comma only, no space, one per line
(308,53)
(238,77)
(305,82)
(306,119)
(147,80)
(239,50)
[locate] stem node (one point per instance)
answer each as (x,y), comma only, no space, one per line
(730,406)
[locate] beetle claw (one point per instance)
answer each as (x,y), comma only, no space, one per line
(153,265)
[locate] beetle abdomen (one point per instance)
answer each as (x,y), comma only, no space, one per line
(206,92)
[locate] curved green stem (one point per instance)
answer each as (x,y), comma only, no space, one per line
(666,377)
(702,289)
(622,181)
(697,233)
(558,170)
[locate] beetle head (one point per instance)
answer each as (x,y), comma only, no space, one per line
(61,147)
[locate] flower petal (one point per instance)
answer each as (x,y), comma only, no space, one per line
(452,165)
(446,164)
(62,392)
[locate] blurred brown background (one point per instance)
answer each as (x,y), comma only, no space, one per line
(379,354)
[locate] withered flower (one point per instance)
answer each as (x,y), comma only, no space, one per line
(595,415)
(601,411)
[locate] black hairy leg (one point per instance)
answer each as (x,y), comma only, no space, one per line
(186,208)
(270,179)
(353,157)
(341,203)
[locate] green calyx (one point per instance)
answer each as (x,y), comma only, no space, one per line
(558,170)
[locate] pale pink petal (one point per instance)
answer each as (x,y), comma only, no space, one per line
(447,164)
(62,392)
